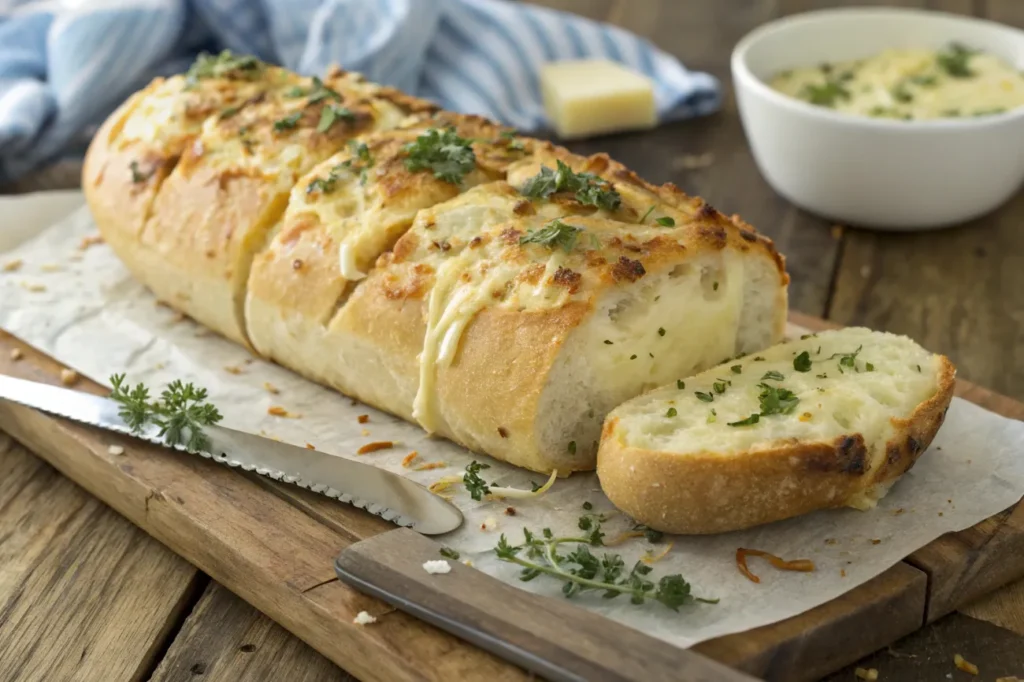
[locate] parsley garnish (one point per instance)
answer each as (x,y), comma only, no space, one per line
(661,331)
(737,369)
(331,114)
(802,362)
(555,233)
(666,221)
(180,413)
(704,397)
(288,122)
(680,384)
(511,142)
(476,486)
(572,447)
(776,400)
(589,189)
(588,506)
(449,553)
(362,161)
(719,386)
(322,92)
(581,570)
(825,95)
(223,65)
(671,412)
(651,535)
(954,61)
(848,360)
(449,156)
(749,421)
(773,375)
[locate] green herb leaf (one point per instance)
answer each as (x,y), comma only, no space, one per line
(644,216)
(680,384)
(719,386)
(288,122)
(135,410)
(589,189)
(321,92)
(443,152)
(661,331)
(449,553)
(773,375)
(572,447)
(588,506)
(512,143)
(555,233)
(955,60)
(826,94)
(802,362)
(749,421)
(704,397)
(666,221)
(672,412)
(183,411)
(224,65)
(776,400)
(475,485)
(332,113)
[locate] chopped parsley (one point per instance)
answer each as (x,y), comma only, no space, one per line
(672,412)
(572,447)
(704,397)
(362,161)
(512,143)
(900,93)
(288,122)
(737,369)
(443,152)
(802,362)
(322,92)
(661,331)
(719,387)
(826,94)
(712,416)
(955,59)
(666,221)
(224,65)
(449,553)
(776,400)
(331,114)
(773,375)
(848,360)
(869,367)
(589,189)
(475,485)
(752,419)
(680,384)
(555,233)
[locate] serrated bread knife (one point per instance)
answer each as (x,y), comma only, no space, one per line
(390,496)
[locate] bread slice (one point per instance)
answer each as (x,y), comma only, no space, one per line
(830,420)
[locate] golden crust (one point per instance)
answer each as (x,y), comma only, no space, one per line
(704,493)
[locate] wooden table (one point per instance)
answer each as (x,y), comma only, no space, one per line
(85,595)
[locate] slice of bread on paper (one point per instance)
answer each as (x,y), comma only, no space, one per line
(830,420)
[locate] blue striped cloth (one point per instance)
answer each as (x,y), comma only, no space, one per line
(65,65)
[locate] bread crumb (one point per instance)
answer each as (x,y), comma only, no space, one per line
(363,418)
(50,267)
(408,460)
(68,377)
(90,240)
(365,432)
(233,369)
(510,511)
(941,514)
(278,411)
(436,566)
(866,674)
(842,572)
(427,466)
(363,618)
(310,446)
(876,541)
(375,446)
(837,232)
(115,450)
(270,388)
(898,511)
(16,354)
(13,265)
(489,523)
(965,665)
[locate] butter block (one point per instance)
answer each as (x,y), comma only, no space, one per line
(595,96)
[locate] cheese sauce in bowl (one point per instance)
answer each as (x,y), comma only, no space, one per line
(910,84)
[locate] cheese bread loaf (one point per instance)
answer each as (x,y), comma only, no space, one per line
(498,290)
(831,420)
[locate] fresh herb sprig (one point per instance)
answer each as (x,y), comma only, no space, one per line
(588,188)
(223,65)
(555,233)
(180,413)
(443,152)
(955,61)
(475,485)
(580,570)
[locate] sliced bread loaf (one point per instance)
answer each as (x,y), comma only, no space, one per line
(830,420)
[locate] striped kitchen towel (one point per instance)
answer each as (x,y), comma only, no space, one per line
(66,64)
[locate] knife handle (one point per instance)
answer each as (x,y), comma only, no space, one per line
(547,636)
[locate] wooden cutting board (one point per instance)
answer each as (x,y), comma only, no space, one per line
(274,544)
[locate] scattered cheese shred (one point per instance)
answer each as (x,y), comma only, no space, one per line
(802,565)
(115,450)
(278,411)
(35,288)
(619,539)
(375,446)
(363,618)
(90,240)
(649,558)
(233,369)
(497,492)
(13,265)
(869,674)
(408,460)
(965,665)
(436,566)
(441,483)
(430,466)
(271,388)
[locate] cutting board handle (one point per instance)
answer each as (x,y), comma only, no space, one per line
(550,637)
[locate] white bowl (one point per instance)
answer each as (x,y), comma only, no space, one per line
(881,173)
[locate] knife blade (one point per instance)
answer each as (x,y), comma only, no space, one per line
(390,496)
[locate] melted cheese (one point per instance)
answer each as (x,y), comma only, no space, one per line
(909,84)
(347,261)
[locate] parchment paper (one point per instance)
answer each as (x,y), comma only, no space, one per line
(94,317)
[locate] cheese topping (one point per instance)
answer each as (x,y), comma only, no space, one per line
(347,261)
(910,84)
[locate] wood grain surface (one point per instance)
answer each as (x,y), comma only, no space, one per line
(84,594)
